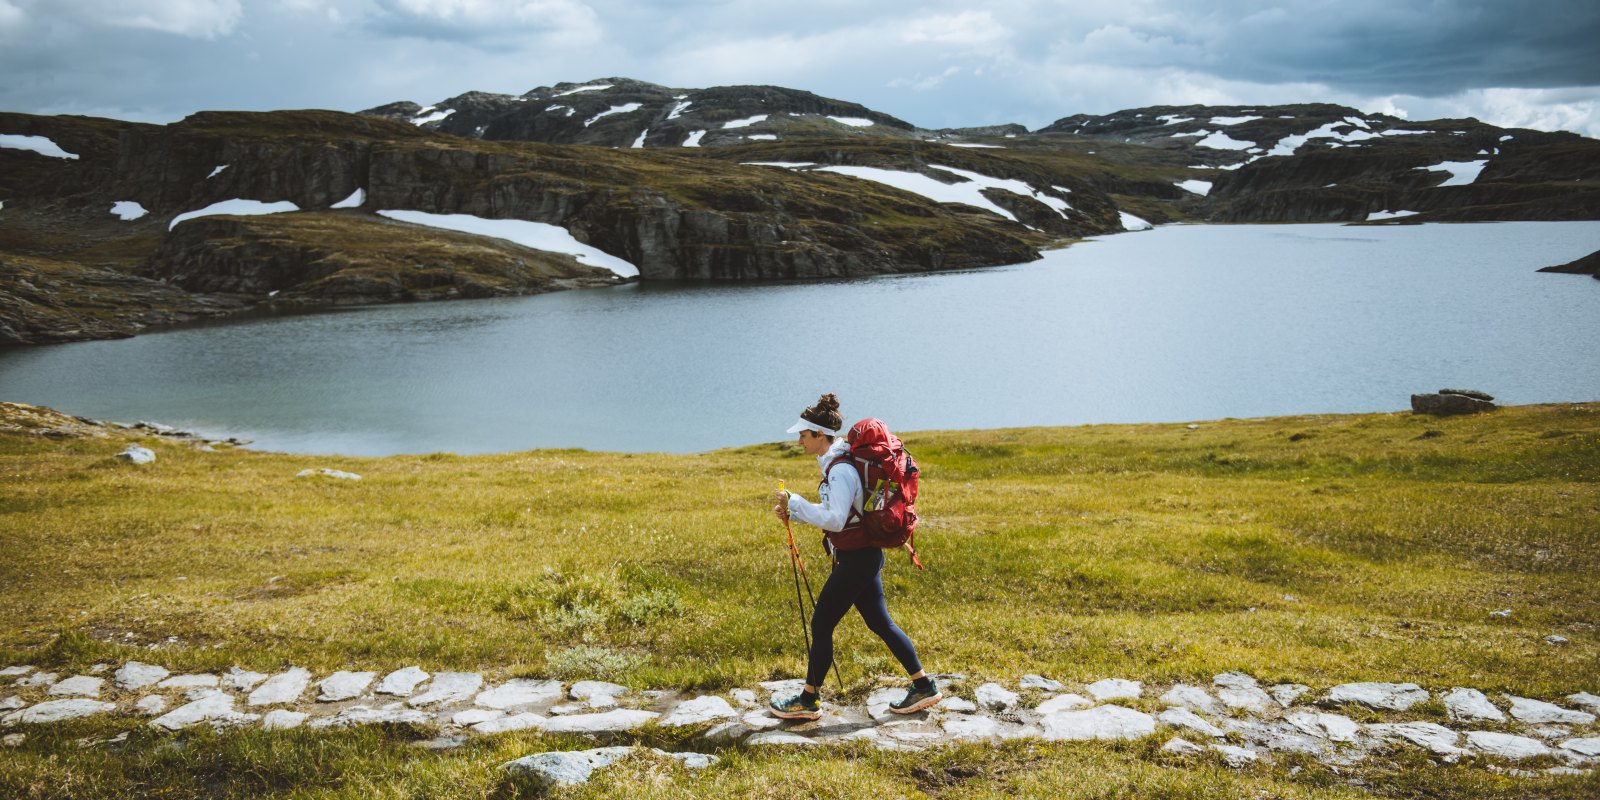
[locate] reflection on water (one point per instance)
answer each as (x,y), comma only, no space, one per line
(1188,322)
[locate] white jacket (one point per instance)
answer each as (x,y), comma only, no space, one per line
(840,493)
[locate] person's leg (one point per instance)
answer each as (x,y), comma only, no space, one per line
(833,602)
(875,611)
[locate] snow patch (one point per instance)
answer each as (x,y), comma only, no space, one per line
(1358,122)
(1201,132)
(596,87)
(622,109)
(236,207)
(677,110)
(1222,141)
(762,137)
(854,122)
(1376,215)
(639,142)
(38,144)
(1201,188)
(1173,119)
(975,144)
(1233,120)
(537,235)
(1403,132)
(128,210)
(568,109)
(1134,223)
(1289,144)
(1461,172)
(744,123)
(694,139)
(967,192)
(217,171)
(787,164)
(423,117)
(355,199)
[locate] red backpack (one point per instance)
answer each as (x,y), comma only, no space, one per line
(888,486)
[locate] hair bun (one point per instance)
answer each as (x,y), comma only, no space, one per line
(828,403)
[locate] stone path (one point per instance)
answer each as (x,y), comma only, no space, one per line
(1234,717)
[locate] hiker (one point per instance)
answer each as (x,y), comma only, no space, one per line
(855,580)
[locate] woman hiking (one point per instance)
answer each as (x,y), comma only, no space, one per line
(855,580)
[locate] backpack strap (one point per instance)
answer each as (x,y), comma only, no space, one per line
(855,511)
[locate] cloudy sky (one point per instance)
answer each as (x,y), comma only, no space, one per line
(1531,63)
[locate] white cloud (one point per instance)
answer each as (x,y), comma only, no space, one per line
(572,21)
(966,29)
(10,15)
(199,19)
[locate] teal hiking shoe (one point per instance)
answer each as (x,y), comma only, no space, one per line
(796,707)
(917,699)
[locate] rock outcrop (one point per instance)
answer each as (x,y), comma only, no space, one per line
(1449,402)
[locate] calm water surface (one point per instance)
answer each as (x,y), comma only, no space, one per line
(1181,323)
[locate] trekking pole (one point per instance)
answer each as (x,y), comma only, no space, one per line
(800,568)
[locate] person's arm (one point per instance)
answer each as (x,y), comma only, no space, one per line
(844,490)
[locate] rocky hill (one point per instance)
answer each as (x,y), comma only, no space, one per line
(108,227)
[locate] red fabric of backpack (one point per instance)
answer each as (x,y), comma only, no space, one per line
(888,486)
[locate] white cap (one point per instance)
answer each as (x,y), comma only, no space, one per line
(808,425)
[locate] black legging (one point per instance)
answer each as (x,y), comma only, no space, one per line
(855,582)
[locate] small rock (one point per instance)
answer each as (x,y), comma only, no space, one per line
(1064,702)
(878,703)
(958,705)
(1470,705)
(995,697)
(726,733)
(14,672)
(39,679)
(1588,747)
(1333,727)
(402,682)
(135,675)
(441,742)
(1115,689)
(329,473)
(12,703)
(777,738)
(1182,747)
(241,680)
(604,722)
(13,739)
(691,760)
(362,715)
(1235,680)
(1506,745)
(1236,757)
(1550,731)
(1184,718)
(189,682)
(1287,693)
(79,686)
(1502,613)
(1193,698)
(1252,699)
(520,692)
(344,685)
(700,710)
(514,722)
(1436,738)
(585,690)
(473,716)
(285,687)
(1392,696)
(601,702)
(151,705)
(1193,427)
(449,687)
(1588,701)
(1554,639)
(280,719)
(58,710)
(744,697)
(1538,711)
(761,720)
(970,728)
(1100,722)
(136,455)
(551,770)
(1040,682)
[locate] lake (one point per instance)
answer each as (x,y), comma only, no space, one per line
(1176,324)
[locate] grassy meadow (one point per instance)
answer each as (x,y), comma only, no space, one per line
(1313,549)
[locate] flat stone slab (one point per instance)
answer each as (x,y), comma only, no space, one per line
(971,728)
(1588,747)
(1040,682)
(700,710)
(402,682)
(38,679)
(216,709)
(1115,689)
(783,688)
(190,682)
(328,473)
(473,716)
(1193,698)
(1184,718)
(1586,701)
(12,703)
(1251,699)
(1506,745)
(1436,738)
(151,705)
(280,719)
(1180,746)
(726,732)
(574,768)
(1333,727)
(1470,705)
(586,690)
(1531,711)
(449,687)
(995,697)
(242,680)
(506,724)
(519,692)
(779,739)
(958,705)
(57,711)
(1064,702)
(79,686)
(878,703)
(285,687)
(1235,680)
(1236,756)
(622,719)
(761,720)
(1287,693)
(17,671)
(1100,722)
(1391,696)
(362,715)
(134,454)
(135,675)
(344,685)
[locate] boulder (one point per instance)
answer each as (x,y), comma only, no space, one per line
(1450,402)
(519,692)
(1100,722)
(1193,698)
(57,711)
(1506,745)
(285,687)
(449,687)
(1436,738)
(1184,718)
(79,686)
(1470,705)
(1391,696)
(279,719)
(135,675)
(995,697)
(1115,689)
(136,455)
(242,680)
(1040,682)
(1537,712)
(700,710)
(402,682)
(344,685)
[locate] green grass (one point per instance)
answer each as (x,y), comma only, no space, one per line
(1316,549)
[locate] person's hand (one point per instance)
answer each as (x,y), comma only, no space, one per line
(781,511)
(783,497)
